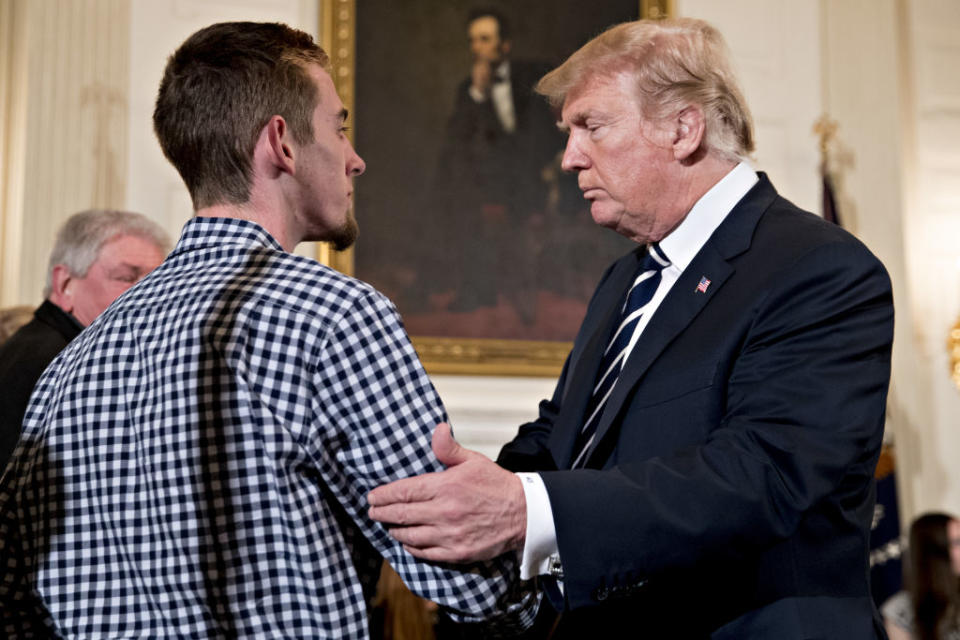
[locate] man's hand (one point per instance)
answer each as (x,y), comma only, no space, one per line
(475,510)
(481,76)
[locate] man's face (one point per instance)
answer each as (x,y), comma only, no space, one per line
(326,169)
(122,262)
(626,167)
(485,43)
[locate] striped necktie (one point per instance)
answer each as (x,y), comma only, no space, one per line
(638,298)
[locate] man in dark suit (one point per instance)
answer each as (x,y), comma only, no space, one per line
(705,466)
(98,255)
(490,186)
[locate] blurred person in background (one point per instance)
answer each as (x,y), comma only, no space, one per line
(98,255)
(929,609)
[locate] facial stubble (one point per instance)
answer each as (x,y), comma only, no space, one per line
(345,235)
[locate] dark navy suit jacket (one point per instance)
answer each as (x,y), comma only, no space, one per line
(730,490)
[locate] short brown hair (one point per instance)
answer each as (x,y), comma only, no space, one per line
(674,63)
(219,90)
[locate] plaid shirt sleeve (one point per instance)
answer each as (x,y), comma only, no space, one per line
(375,403)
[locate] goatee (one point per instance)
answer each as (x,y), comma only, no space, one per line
(344,236)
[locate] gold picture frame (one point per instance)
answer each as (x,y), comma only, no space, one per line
(442,355)
(953,351)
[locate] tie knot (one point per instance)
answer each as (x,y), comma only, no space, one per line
(655,260)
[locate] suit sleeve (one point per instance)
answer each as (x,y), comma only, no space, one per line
(802,423)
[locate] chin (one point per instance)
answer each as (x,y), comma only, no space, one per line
(344,236)
(604,218)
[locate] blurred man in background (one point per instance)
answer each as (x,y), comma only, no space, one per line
(98,255)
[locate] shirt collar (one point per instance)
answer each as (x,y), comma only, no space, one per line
(711,209)
(205,232)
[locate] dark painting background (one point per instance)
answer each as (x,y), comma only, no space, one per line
(417,247)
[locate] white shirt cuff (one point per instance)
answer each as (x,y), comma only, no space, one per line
(541,542)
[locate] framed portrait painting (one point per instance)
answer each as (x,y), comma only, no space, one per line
(467,221)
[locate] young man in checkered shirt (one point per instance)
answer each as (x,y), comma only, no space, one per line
(196,463)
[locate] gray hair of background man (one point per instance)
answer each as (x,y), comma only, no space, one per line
(80,238)
(675,63)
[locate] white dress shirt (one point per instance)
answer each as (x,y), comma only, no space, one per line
(502,96)
(540,549)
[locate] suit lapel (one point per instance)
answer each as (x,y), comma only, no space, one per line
(685,302)
(585,358)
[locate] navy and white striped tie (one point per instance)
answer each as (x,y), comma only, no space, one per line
(638,298)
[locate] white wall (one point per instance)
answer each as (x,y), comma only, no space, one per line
(926,427)
(776,52)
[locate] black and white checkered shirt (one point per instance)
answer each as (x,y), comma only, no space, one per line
(196,463)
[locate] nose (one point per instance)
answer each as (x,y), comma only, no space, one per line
(573,158)
(355,164)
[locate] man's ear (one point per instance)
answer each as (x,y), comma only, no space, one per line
(60,293)
(689,132)
(276,146)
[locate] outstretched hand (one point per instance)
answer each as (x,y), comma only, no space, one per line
(474,510)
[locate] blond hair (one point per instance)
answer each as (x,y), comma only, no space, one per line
(674,63)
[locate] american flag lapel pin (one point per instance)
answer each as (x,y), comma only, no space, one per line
(703,284)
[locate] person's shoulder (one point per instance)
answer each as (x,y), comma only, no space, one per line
(33,342)
(25,355)
(312,284)
(794,230)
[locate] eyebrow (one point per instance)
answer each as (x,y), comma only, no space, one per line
(576,119)
(130,265)
(343,114)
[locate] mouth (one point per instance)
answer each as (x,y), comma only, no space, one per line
(589,193)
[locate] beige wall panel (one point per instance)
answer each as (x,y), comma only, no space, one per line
(75,125)
(931,230)
(13,102)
